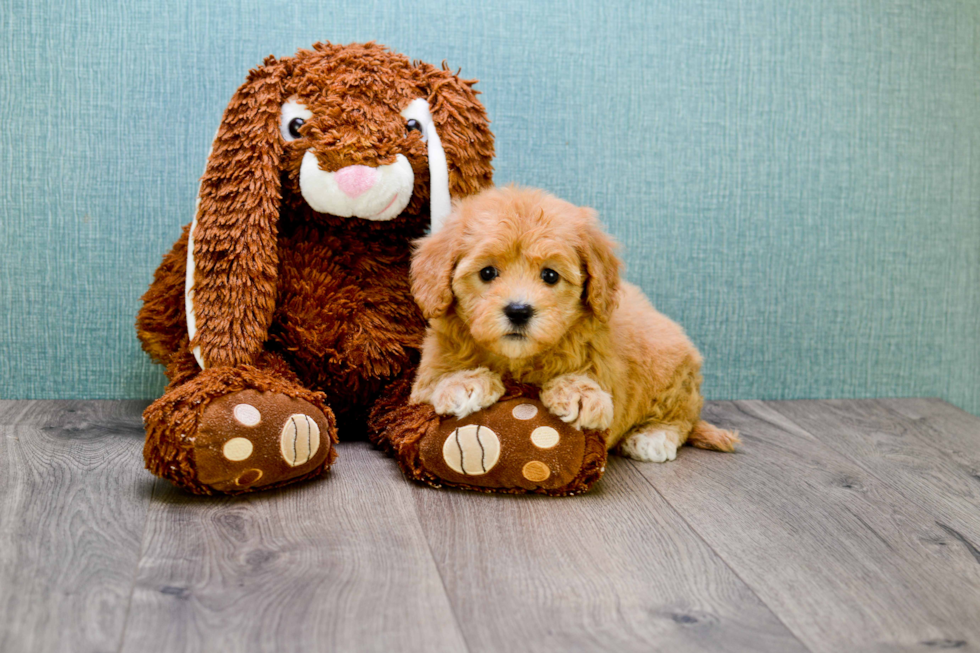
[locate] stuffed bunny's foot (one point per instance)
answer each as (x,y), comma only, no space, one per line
(515,445)
(249,439)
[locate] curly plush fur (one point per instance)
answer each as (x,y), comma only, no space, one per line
(523,284)
(302,301)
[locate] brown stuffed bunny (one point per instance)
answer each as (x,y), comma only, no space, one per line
(283,313)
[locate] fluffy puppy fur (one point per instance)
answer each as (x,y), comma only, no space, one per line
(520,282)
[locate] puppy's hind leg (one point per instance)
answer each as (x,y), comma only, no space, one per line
(652,442)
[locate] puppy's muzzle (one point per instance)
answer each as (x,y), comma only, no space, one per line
(519,314)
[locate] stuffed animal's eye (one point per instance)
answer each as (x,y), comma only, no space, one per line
(294,115)
(488,273)
(549,276)
(413,125)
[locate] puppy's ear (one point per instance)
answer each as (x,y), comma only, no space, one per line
(432,269)
(232,262)
(598,252)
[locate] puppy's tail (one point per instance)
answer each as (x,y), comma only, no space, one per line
(709,436)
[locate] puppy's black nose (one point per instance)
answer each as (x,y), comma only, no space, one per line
(518,314)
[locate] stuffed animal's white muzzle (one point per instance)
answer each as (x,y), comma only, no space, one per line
(380,193)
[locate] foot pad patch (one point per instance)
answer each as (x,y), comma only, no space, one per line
(536,471)
(300,439)
(472,450)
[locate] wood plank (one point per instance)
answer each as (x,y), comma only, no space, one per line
(942,425)
(336,564)
(616,569)
(12,411)
(843,559)
(26,412)
(73,502)
(904,453)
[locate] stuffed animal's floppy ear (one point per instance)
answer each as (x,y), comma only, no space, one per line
(432,270)
(598,252)
(232,260)
(460,121)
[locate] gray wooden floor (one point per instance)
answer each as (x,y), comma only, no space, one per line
(839,526)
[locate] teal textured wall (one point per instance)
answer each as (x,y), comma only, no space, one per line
(796,183)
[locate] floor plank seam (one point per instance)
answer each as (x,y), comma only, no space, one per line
(724,561)
(442,581)
(139,561)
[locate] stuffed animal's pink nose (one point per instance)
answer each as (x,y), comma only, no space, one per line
(354,180)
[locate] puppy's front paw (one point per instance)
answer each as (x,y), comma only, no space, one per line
(652,446)
(462,393)
(579,401)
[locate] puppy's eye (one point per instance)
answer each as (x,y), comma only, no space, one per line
(488,273)
(413,125)
(550,277)
(294,126)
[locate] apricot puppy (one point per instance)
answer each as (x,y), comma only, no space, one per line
(520,282)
